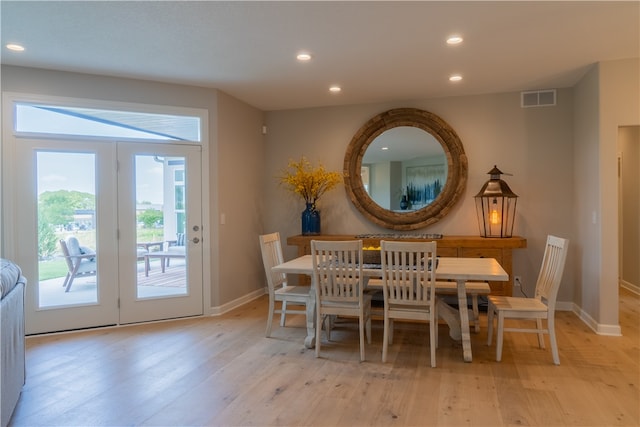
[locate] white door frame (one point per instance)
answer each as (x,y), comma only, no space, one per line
(11,199)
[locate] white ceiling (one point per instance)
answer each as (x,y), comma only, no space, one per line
(377,51)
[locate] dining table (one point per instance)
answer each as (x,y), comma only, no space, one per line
(460,270)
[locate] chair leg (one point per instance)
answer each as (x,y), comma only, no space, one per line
(368,329)
(385,339)
(283,313)
(540,333)
(69,283)
(390,331)
(72,275)
(500,336)
(270,317)
(361,327)
(476,312)
(329,322)
(319,320)
(490,311)
(432,339)
(552,339)
(437,322)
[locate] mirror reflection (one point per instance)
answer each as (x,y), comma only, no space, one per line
(421,168)
(404,169)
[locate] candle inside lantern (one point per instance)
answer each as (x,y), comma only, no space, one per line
(495,215)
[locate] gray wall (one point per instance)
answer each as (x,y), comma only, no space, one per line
(535,144)
(629,147)
(619,93)
(605,99)
(240,171)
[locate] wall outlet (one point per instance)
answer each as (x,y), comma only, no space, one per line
(517,281)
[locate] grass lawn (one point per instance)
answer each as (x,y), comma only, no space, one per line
(52,269)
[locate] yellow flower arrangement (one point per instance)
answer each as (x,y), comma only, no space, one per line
(308,182)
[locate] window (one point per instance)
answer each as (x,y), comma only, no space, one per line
(44,118)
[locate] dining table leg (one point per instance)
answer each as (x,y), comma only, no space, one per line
(458,320)
(451,317)
(464,321)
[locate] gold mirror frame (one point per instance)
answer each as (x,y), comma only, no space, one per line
(456,175)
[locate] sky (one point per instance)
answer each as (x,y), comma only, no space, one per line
(76,171)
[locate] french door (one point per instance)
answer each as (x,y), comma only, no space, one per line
(107,233)
(166,279)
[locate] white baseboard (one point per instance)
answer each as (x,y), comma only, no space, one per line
(630,287)
(564,306)
(222,309)
(598,328)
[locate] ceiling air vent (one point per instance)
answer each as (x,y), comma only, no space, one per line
(538,98)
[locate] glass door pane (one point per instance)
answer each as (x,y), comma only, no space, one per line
(160,241)
(67,261)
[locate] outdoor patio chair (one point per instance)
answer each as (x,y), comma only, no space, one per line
(81,261)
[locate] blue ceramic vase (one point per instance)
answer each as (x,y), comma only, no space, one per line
(310,220)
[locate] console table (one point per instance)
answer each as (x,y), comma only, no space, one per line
(448,246)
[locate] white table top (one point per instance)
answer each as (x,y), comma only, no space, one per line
(448,268)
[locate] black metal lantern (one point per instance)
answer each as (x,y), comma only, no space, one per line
(496,207)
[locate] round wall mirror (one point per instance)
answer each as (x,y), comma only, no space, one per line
(405,169)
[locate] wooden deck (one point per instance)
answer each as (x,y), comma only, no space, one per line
(84,289)
(174,275)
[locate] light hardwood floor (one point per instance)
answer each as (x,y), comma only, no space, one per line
(223,371)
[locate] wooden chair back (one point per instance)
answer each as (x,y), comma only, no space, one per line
(550,275)
(337,271)
(271,249)
(408,272)
(67,255)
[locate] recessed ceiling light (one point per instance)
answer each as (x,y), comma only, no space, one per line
(384,148)
(335,89)
(454,40)
(15,47)
(303,56)
(455,78)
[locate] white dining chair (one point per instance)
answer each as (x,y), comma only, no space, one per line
(339,283)
(408,284)
(541,306)
(279,290)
